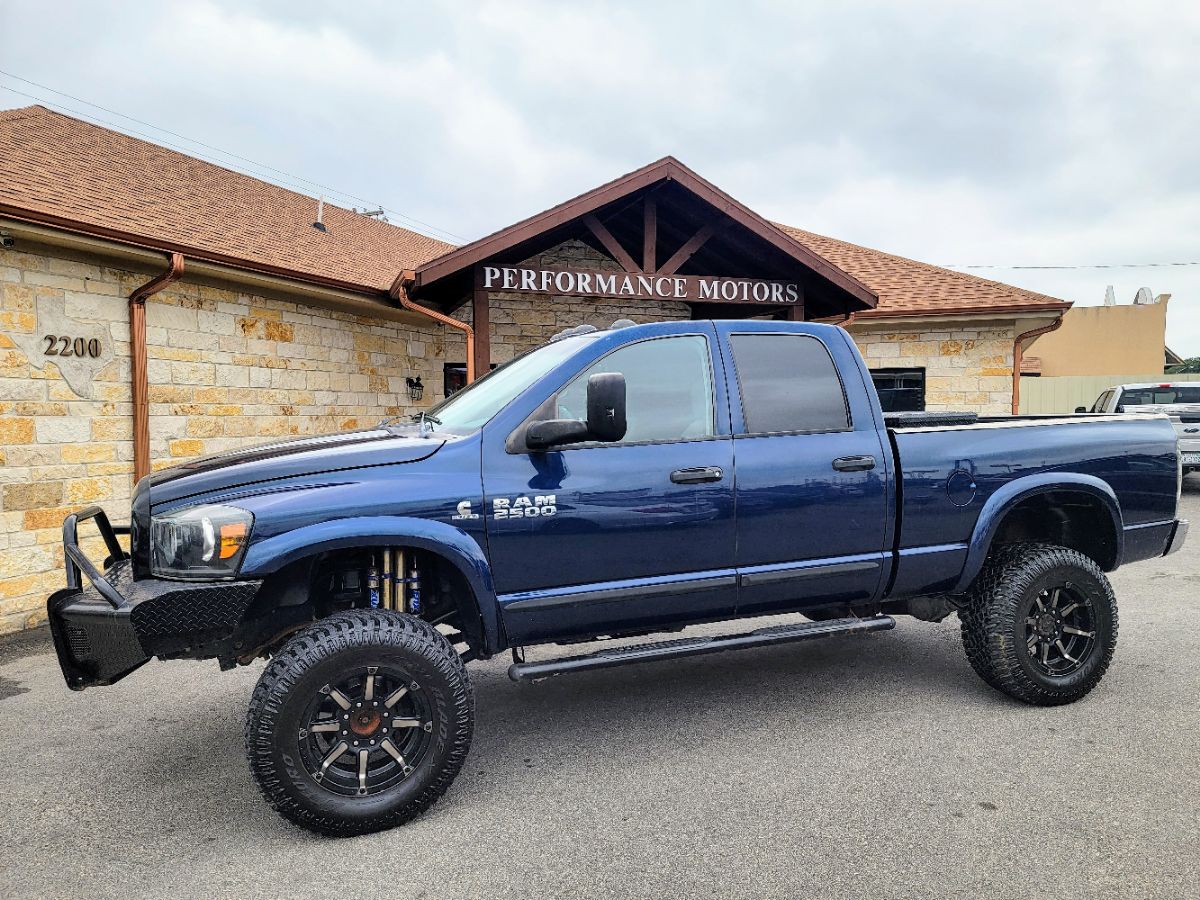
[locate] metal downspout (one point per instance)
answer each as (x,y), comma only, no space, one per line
(1018,354)
(399,293)
(137,353)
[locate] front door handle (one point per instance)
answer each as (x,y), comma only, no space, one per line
(697,475)
(854,463)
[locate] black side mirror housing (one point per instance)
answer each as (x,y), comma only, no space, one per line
(605,417)
(552,432)
(606,407)
(1080,409)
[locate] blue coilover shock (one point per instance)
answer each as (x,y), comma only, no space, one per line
(373,585)
(414,591)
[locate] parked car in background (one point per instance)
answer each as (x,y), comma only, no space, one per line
(1179,400)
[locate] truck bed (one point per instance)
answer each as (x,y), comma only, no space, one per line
(950,469)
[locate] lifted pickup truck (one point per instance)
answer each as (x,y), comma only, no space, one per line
(610,483)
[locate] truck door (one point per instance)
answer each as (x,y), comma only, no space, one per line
(605,538)
(811,471)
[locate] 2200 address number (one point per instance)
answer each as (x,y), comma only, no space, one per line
(63,345)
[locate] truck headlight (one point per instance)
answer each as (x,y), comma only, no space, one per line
(199,542)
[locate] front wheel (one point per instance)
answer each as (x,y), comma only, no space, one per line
(1040,624)
(360,722)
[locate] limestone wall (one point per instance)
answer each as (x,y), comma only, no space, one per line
(522,321)
(966,368)
(226,369)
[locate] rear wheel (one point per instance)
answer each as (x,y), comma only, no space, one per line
(1040,624)
(360,723)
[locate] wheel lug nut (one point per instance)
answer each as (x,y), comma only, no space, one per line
(356,743)
(358,704)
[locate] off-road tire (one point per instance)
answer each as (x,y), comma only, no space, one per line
(993,622)
(315,657)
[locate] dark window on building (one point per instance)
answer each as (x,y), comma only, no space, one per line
(454,377)
(900,390)
(788,383)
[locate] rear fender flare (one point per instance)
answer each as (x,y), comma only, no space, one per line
(1003,500)
(480,614)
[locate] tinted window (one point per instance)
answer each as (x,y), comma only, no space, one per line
(668,389)
(1160,396)
(900,390)
(1101,402)
(788,383)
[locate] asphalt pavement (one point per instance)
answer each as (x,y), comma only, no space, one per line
(878,766)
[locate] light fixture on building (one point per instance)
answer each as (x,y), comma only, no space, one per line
(416,390)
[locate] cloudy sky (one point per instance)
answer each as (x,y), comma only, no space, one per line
(985,134)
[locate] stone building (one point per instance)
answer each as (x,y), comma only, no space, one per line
(155,308)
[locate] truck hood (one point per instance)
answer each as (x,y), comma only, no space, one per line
(304,456)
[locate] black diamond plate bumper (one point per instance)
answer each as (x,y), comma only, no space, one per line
(105,631)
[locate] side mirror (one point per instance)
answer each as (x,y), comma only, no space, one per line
(606,407)
(605,417)
(552,432)
(1119,409)
(1080,409)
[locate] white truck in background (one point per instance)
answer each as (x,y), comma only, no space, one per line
(1178,399)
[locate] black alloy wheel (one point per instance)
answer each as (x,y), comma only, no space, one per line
(1040,623)
(360,722)
(1060,630)
(366,733)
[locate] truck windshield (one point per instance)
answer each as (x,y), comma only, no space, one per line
(1160,395)
(475,404)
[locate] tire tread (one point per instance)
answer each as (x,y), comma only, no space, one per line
(324,638)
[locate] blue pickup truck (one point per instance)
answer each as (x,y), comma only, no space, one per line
(609,484)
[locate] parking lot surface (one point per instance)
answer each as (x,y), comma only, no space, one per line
(879,766)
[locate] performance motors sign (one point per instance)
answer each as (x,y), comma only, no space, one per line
(685,288)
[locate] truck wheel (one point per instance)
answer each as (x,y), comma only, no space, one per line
(1040,624)
(360,722)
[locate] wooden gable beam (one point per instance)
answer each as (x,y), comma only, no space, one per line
(605,237)
(649,234)
(684,253)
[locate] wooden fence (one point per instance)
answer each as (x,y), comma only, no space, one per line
(1062,393)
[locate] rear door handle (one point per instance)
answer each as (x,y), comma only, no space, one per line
(854,463)
(697,475)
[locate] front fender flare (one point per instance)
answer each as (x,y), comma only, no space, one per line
(446,541)
(1003,500)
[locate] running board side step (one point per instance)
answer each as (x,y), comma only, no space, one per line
(696,646)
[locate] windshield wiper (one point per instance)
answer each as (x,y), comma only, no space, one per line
(422,418)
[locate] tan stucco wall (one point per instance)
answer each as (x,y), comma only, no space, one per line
(967,367)
(1104,340)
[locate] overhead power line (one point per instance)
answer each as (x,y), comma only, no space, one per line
(1149,265)
(295,180)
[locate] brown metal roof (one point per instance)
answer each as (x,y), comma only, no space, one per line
(64,172)
(67,173)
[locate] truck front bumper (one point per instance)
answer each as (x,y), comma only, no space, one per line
(105,631)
